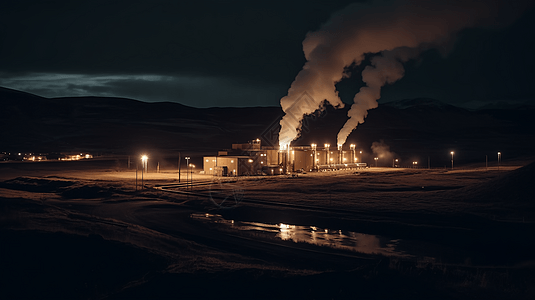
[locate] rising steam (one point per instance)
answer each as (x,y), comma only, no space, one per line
(382,151)
(395,31)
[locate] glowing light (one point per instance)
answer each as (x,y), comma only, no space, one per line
(250,160)
(285,231)
(144,164)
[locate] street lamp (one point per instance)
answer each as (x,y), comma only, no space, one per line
(360,156)
(313,146)
(414,164)
(187,158)
(376,158)
(192,166)
(327,153)
(499,159)
(144,159)
(452,159)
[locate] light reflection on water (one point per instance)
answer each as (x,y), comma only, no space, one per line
(339,239)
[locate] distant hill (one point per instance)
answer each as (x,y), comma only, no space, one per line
(415,129)
(33,123)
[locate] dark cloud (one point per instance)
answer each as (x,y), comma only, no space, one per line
(198,91)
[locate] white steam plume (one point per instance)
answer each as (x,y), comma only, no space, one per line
(384,68)
(386,27)
(382,151)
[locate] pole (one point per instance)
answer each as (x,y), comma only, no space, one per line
(187,166)
(128,162)
(142,185)
(136,177)
(486,162)
(179,167)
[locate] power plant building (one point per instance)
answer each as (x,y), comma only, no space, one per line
(253,159)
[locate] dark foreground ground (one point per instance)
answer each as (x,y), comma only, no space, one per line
(81,231)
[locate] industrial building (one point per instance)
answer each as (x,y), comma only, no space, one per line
(253,159)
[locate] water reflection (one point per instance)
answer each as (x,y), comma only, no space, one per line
(339,239)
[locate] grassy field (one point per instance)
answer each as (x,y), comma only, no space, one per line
(82,231)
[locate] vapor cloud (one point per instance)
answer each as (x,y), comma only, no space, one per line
(395,31)
(382,151)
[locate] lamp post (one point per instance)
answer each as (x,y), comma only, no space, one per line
(452,159)
(327,153)
(499,159)
(352,147)
(376,158)
(187,158)
(191,176)
(313,146)
(414,164)
(360,156)
(144,159)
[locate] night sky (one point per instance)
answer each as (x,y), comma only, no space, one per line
(236,53)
